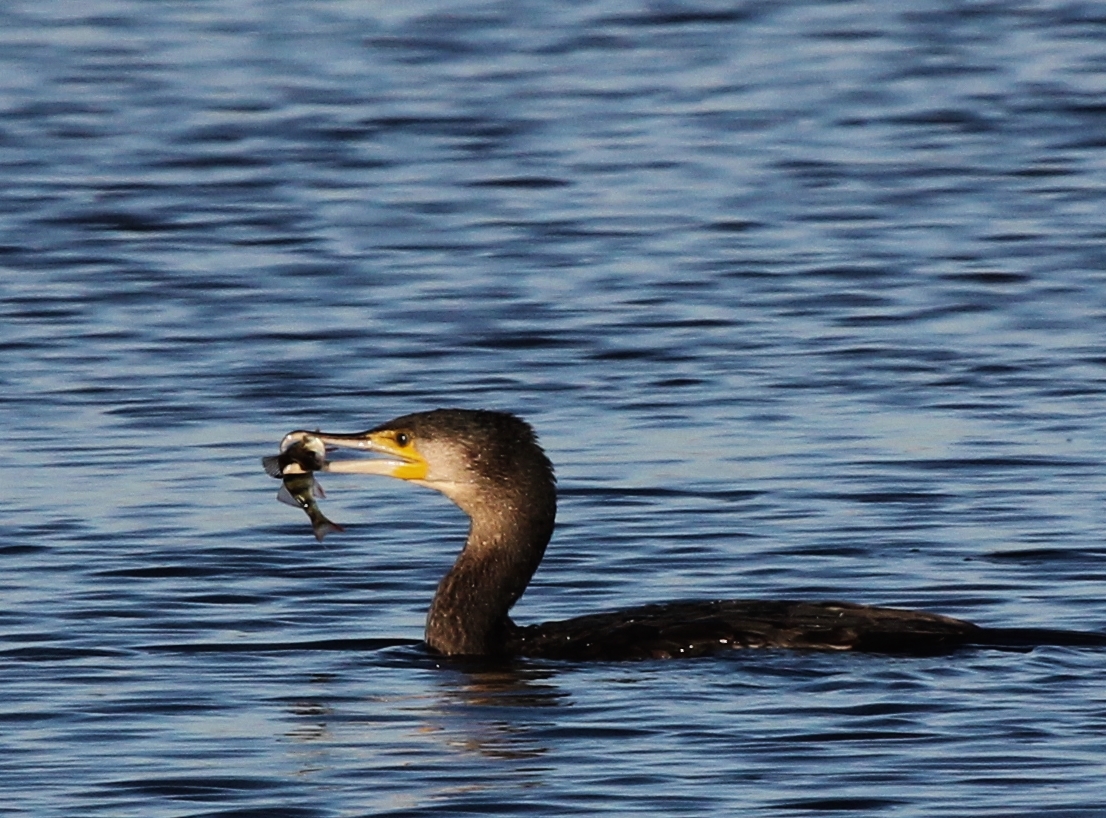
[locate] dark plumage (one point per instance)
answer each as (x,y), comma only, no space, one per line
(695,628)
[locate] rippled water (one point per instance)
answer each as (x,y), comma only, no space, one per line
(804,299)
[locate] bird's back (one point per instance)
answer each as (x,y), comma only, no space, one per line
(701,628)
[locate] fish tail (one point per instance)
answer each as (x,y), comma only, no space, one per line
(323,527)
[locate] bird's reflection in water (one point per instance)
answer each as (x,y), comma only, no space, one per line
(491,709)
(478,706)
(311,721)
(458,719)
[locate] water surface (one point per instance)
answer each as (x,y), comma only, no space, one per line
(804,299)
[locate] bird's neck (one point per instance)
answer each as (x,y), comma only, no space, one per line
(505,545)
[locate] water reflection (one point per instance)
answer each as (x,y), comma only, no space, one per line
(476,707)
(490,710)
(487,684)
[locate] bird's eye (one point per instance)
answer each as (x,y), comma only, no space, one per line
(402,439)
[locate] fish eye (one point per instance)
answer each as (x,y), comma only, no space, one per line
(402,439)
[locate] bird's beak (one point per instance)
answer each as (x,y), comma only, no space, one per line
(403,462)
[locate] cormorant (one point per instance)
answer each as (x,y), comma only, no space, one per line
(490,465)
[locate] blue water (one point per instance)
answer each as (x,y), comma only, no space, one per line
(804,299)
